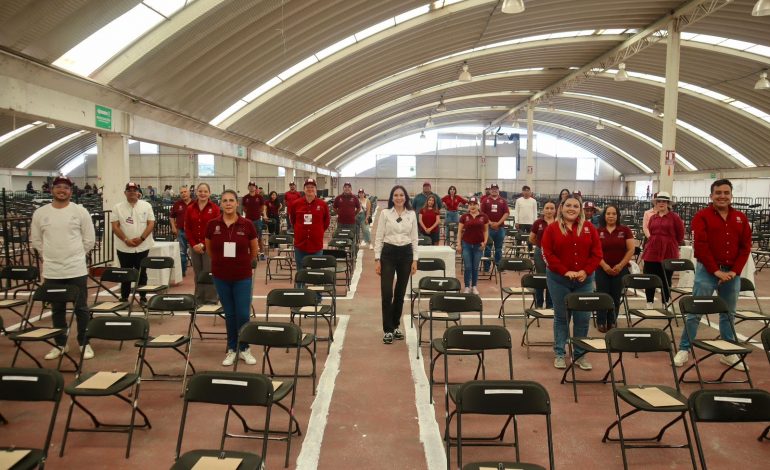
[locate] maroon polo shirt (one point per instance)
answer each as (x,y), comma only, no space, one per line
(347,206)
(494,208)
(196,220)
(721,242)
(572,251)
(453,203)
(538,228)
(177,212)
(614,243)
(240,232)
(473,228)
(252,206)
(309,221)
(290,196)
(428,219)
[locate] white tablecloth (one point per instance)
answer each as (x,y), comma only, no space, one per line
(161,276)
(687,279)
(445,253)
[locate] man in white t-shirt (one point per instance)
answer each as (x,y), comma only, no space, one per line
(63,233)
(525,210)
(132,223)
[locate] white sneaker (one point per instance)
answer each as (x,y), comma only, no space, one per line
(475,290)
(54,353)
(229,358)
(650,306)
(559,362)
(583,363)
(731,359)
(246,357)
(371,246)
(363,244)
(88,352)
(681,358)
(466,290)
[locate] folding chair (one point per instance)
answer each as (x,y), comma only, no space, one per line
(707,305)
(225,388)
(327,261)
(424,240)
(116,275)
(752,315)
(276,335)
(482,338)
(148,263)
(29,385)
(585,303)
(647,398)
(766,342)
(677,266)
(279,257)
(104,384)
(513,265)
(344,245)
(424,265)
(341,267)
(28,333)
(647,281)
(728,406)
(183,303)
(529,284)
(214,311)
(294,298)
(430,286)
(453,304)
(322,282)
(26,278)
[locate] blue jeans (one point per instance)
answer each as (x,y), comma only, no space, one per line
(363,224)
(560,286)
(540,269)
(496,236)
(471,261)
(451,216)
(705,284)
(298,256)
(235,297)
(183,246)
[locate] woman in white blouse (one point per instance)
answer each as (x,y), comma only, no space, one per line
(395,253)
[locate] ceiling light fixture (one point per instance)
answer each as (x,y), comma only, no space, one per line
(511,7)
(465,75)
(551,107)
(50,125)
(441,106)
(429,122)
(763,83)
(622,75)
(762,8)
(422,134)
(599,126)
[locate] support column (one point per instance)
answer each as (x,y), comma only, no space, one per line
(242,175)
(530,147)
(112,167)
(670,105)
(483,161)
(291,175)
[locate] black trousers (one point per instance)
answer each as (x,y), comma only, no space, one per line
(395,261)
(59,309)
(612,285)
(652,267)
(132,260)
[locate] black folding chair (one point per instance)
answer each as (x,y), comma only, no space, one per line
(229,389)
(529,284)
(728,406)
(424,265)
(215,311)
(513,265)
(110,329)
(16,279)
(636,341)
(424,240)
(677,266)
(276,335)
(28,333)
(593,303)
(431,286)
(30,385)
(152,263)
(114,275)
(647,281)
(709,305)
(752,315)
(322,282)
(279,257)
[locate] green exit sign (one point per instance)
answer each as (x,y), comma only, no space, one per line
(103,117)
(713,176)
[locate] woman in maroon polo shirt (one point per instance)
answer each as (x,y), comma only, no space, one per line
(617,249)
(429,220)
(536,238)
(666,234)
(452,202)
(231,242)
(273,212)
(196,219)
(473,231)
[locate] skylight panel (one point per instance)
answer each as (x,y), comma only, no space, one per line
(707,39)
(414,13)
(297,68)
(718,143)
(262,89)
(228,112)
(736,44)
(53,145)
(703,91)
(752,110)
(17,132)
(372,30)
(166,7)
(337,46)
(611,31)
(760,50)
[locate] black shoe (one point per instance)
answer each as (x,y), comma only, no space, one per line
(387,338)
(123,299)
(397,334)
(143,301)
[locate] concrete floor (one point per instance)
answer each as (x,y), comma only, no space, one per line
(372,408)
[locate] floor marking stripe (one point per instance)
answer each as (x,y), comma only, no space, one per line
(311,444)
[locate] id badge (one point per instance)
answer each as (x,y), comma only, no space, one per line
(229,250)
(308,219)
(494,207)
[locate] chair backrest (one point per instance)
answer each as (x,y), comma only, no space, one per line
(315,277)
(747,285)
(319,262)
(52,292)
(118,329)
(515,264)
(675,265)
(766,340)
(592,302)
(424,240)
(230,388)
(172,303)
(642,281)
(431,264)
(341,242)
(205,277)
(21,384)
(339,254)
(730,406)
(503,397)
(455,302)
(477,337)
(637,340)
(702,305)
(157,262)
(114,274)
(280,239)
(534,281)
(344,233)
(291,298)
(20,273)
(274,334)
(439,284)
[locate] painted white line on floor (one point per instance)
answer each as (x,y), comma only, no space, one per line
(430,435)
(311,444)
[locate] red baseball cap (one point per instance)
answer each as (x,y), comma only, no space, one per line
(310,181)
(494,186)
(473,200)
(347,183)
(427,183)
(252,183)
(361,190)
(589,205)
(131,185)
(62,180)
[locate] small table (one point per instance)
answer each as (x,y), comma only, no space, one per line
(445,253)
(687,279)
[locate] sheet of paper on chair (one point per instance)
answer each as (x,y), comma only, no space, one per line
(506,467)
(722,344)
(166,338)
(215,463)
(309,309)
(652,313)
(546,312)
(277,384)
(40,332)
(440,315)
(209,308)
(597,343)
(106,306)
(655,397)
(5,302)
(148,287)
(9,458)
(749,313)
(102,380)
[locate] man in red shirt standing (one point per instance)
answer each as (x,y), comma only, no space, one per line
(496,209)
(310,218)
(289,197)
(177,223)
(722,247)
(255,210)
(347,207)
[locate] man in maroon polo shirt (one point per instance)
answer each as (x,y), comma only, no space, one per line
(347,207)
(496,209)
(177,223)
(289,197)
(722,245)
(310,218)
(255,210)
